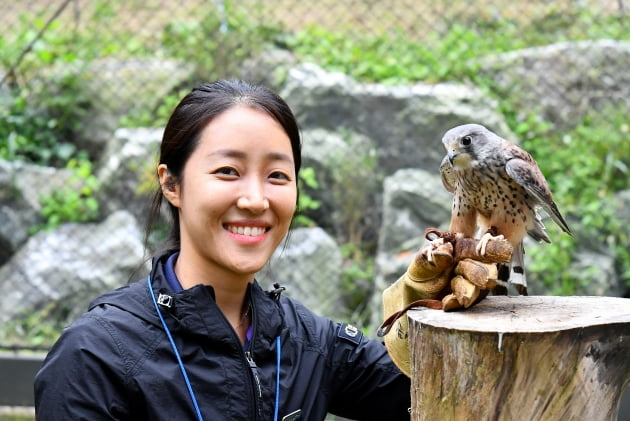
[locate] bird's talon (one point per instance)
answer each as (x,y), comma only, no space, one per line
(484,240)
(431,248)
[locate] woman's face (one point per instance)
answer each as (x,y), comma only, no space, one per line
(237,195)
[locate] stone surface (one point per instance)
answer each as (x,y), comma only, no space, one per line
(562,82)
(71,266)
(406,123)
(308,265)
(128,171)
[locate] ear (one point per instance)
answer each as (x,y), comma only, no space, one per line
(170,185)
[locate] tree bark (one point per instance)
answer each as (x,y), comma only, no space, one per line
(521,358)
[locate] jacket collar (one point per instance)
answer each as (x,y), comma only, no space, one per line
(193,312)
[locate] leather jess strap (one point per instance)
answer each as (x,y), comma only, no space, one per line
(389,322)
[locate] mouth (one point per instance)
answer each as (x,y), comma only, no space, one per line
(246,230)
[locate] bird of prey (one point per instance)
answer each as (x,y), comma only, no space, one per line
(497,188)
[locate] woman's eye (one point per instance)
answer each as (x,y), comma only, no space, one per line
(278,175)
(226,171)
(466,140)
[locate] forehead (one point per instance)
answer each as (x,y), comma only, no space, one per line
(247,128)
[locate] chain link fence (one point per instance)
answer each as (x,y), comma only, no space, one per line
(74,72)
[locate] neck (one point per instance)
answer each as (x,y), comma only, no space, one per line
(230,289)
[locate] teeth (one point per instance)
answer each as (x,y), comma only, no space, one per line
(250,231)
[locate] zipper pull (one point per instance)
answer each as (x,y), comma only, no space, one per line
(254,368)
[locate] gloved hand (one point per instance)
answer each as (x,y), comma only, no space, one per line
(448,272)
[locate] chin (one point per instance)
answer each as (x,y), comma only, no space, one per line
(249,269)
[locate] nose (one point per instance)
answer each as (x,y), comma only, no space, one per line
(252,197)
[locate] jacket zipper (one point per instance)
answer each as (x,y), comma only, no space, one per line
(253,367)
(254,370)
(256,384)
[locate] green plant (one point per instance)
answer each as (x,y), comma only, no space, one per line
(220,41)
(442,55)
(42,108)
(307,181)
(39,125)
(16,417)
(356,283)
(584,167)
(355,182)
(74,203)
(39,328)
(156,117)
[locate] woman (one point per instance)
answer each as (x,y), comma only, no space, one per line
(198,338)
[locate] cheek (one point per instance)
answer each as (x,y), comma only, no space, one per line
(201,198)
(287,204)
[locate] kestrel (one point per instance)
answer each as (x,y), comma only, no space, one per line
(497,189)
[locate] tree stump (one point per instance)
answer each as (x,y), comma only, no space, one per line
(521,358)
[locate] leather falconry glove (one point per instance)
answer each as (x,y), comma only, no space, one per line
(449,272)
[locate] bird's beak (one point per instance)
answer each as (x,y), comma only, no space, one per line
(451,156)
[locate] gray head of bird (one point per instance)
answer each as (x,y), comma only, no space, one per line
(468,144)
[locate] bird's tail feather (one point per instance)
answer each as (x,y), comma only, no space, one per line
(517,270)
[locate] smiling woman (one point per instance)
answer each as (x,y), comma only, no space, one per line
(199,338)
(225,194)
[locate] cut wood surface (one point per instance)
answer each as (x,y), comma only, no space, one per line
(521,358)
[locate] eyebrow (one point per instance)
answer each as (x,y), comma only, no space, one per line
(232,153)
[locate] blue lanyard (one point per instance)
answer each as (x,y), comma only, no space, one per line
(183,369)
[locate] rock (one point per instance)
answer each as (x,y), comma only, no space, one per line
(309,266)
(21,186)
(563,81)
(128,171)
(16,219)
(270,68)
(121,87)
(406,123)
(71,266)
(594,274)
(349,191)
(621,203)
(413,200)
(30,182)
(622,209)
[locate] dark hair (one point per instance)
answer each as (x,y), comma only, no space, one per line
(190,117)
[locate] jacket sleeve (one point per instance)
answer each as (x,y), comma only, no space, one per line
(82,377)
(368,384)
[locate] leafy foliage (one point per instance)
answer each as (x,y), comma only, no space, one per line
(307,180)
(446,55)
(76,202)
(157,117)
(219,42)
(42,109)
(39,125)
(38,328)
(357,283)
(584,167)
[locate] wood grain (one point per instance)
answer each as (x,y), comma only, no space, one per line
(521,358)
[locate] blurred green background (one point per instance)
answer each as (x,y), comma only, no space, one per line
(49,52)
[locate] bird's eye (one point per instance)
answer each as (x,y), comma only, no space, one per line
(466,140)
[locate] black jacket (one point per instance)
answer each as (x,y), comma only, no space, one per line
(116,362)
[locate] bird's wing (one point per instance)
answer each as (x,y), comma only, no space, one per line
(448,178)
(526,173)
